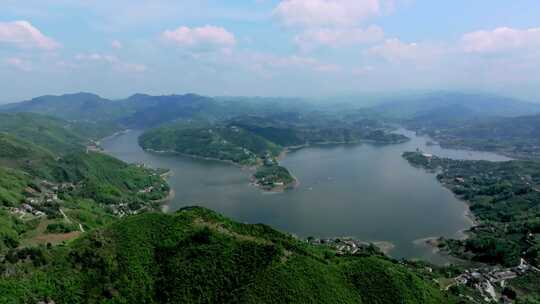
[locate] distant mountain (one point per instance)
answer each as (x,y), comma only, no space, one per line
(151,111)
(454,105)
(139,110)
(514,136)
(79,106)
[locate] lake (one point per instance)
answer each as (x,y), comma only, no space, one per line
(365,191)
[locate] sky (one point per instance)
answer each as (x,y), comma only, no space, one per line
(302,48)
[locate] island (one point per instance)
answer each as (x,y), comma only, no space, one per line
(273,177)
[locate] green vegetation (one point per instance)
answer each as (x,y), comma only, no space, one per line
(197,256)
(505,199)
(61,227)
(51,134)
(294,129)
(72,107)
(526,288)
(49,185)
(218,142)
(12,185)
(273,177)
(517,137)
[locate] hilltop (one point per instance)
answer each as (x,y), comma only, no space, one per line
(198,256)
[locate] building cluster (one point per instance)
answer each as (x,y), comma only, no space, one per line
(123,209)
(486,279)
(38,200)
(344,245)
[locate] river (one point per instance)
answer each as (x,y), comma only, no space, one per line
(365,191)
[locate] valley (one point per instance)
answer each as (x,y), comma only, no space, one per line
(101,195)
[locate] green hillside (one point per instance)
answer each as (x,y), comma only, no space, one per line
(505,200)
(17,153)
(198,256)
(55,135)
(220,142)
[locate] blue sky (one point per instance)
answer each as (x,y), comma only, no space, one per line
(268,47)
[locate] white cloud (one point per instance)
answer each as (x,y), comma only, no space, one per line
(394,50)
(206,38)
(317,13)
(502,39)
(23,35)
(116,44)
(111,60)
(338,37)
(422,55)
(18,63)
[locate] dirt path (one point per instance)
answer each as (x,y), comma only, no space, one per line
(70,221)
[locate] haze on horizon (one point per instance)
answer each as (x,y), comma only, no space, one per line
(268,47)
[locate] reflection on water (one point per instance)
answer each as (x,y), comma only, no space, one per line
(365,191)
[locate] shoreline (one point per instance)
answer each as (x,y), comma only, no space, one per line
(194,156)
(462,234)
(252,169)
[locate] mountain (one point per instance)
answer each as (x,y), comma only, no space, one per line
(139,110)
(198,256)
(78,106)
(155,110)
(482,105)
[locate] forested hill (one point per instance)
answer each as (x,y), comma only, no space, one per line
(518,137)
(52,188)
(78,106)
(198,256)
(138,111)
(55,135)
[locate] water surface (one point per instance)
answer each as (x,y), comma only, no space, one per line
(365,191)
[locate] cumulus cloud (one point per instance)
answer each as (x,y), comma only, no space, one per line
(317,13)
(111,60)
(502,39)
(23,34)
(333,37)
(206,38)
(423,55)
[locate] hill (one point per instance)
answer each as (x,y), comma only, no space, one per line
(221,142)
(517,137)
(480,105)
(198,256)
(296,129)
(137,111)
(50,188)
(505,199)
(53,134)
(78,106)
(155,110)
